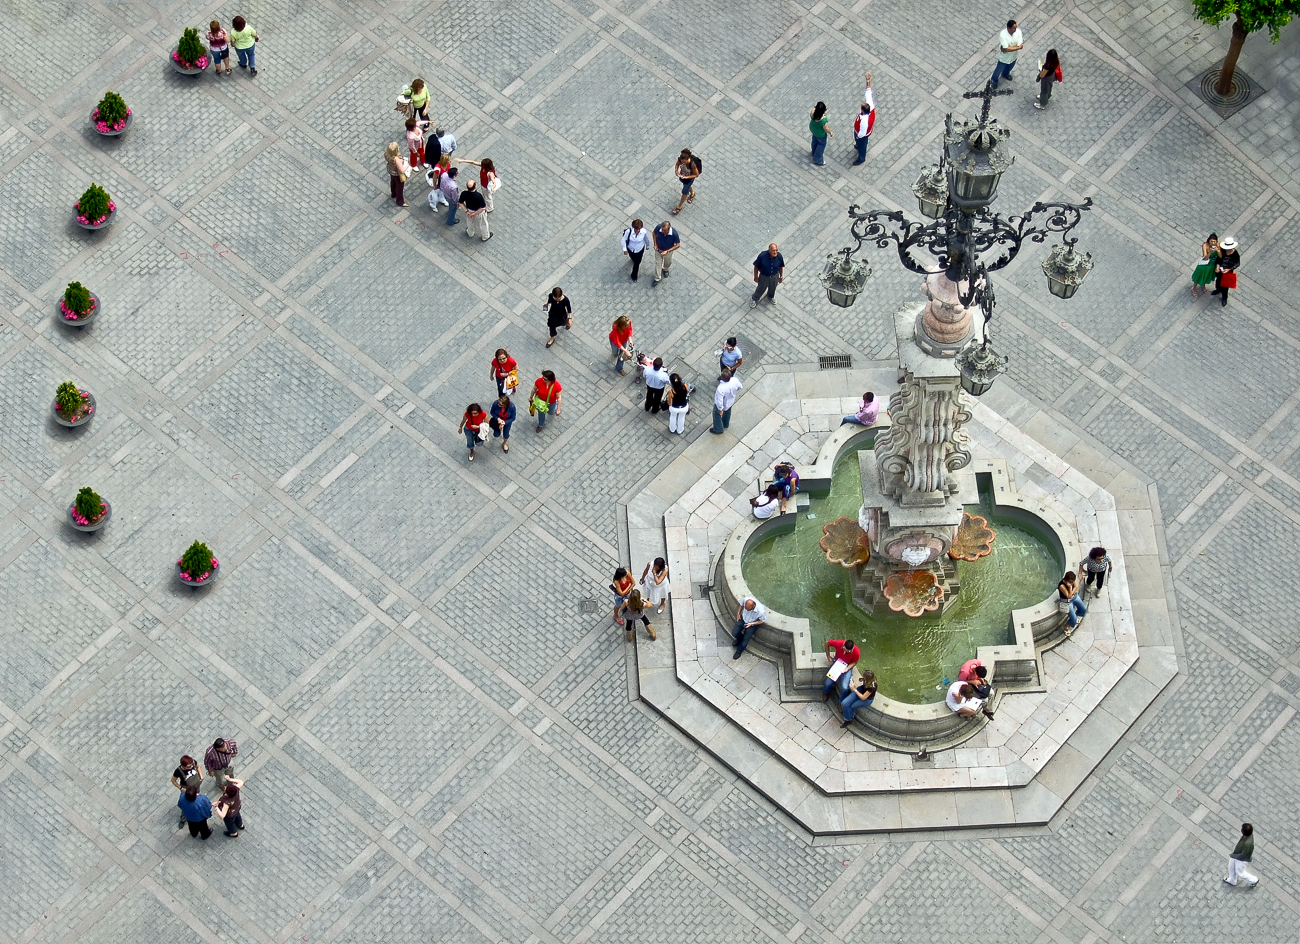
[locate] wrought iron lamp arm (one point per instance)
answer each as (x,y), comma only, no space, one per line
(1061,218)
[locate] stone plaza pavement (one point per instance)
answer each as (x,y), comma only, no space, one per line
(438,725)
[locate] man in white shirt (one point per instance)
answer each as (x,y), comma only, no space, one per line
(656,379)
(1010,42)
(635,238)
(749,617)
(724,398)
(866,120)
(446,139)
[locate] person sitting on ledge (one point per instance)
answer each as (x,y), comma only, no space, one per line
(765,505)
(859,696)
(1069,602)
(787,480)
(846,657)
(867,413)
(749,617)
(974,672)
(961,699)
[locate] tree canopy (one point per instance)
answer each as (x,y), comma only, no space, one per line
(1255,15)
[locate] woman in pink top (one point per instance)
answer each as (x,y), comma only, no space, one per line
(414,144)
(219,45)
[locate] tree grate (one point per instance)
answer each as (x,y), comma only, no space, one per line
(835,361)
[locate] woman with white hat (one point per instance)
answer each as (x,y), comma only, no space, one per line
(1226,274)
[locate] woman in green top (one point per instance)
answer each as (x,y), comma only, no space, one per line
(419,99)
(819,133)
(244,38)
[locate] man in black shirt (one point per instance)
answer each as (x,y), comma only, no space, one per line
(476,221)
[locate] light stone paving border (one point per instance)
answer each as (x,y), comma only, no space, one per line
(1016,770)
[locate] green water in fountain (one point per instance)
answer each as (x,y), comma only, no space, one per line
(910,655)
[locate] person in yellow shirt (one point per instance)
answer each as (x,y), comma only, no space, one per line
(244,38)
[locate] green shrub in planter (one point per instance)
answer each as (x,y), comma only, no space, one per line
(111,109)
(190,48)
(197,561)
(89,505)
(68,398)
(77,298)
(94,204)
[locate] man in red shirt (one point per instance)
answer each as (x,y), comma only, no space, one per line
(846,651)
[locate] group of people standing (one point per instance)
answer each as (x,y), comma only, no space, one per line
(241,36)
(196,809)
(631,601)
(431,152)
(1219,263)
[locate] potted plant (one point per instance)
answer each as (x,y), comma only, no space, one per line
(89,512)
(79,306)
(111,116)
(197,566)
(72,405)
(189,57)
(95,210)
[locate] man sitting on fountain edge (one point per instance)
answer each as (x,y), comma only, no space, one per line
(847,655)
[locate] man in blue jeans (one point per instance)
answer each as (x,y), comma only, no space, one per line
(846,651)
(749,617)
(1010,42)
(724,398)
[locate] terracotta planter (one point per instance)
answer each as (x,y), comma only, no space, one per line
(100,225)
(110,134)
(184,69)
(81,421)
(212,575)
(84,319)
(94,525)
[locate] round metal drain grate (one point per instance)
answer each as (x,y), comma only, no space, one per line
(1239,95)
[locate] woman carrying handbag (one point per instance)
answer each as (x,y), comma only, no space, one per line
(1226,273)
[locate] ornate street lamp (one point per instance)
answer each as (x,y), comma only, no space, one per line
(978,362)
(931,191)
(975,163)
(844,277)
(1066,269)
(964,240)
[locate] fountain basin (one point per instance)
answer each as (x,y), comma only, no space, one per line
(1013,655)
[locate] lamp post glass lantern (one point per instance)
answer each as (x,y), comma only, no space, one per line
(844,277)
(1066,269)
(979,365)
(931,192)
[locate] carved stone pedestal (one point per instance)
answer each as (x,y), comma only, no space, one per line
(913,490)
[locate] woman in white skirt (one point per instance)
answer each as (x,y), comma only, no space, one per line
(655,581)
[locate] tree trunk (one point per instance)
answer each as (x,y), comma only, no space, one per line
(1224,87)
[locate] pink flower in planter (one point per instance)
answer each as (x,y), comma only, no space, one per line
(105,126)
(71,315)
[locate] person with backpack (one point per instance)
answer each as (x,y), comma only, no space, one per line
(687,169)
(635,240)
(865,121)
(1049,72)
